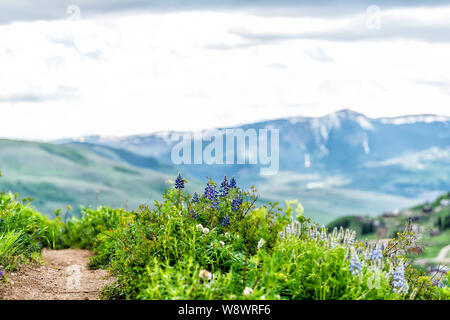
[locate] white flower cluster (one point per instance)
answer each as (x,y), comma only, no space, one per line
(294,229)
(342,237)
(200,228)
(261,243)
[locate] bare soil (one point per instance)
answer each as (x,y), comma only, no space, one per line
(62,276)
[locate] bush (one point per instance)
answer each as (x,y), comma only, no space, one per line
(23,232)
(221,246)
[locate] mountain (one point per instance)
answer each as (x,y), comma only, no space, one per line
(341,164)
(338,164)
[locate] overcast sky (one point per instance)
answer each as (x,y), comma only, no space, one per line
(131,67)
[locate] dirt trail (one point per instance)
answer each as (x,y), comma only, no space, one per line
(441,258)
(62,276)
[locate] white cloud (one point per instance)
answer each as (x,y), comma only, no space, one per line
(141,73)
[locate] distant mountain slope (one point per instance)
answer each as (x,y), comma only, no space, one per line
(407,156)
(58,175)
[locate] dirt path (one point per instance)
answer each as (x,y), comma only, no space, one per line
(62,276)
(441,258)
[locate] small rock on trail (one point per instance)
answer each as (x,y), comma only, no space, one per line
(62,276)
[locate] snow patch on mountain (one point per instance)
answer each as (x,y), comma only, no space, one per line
(414,119)
(307,160)
(366,146)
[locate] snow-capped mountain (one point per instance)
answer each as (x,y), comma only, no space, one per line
(338,140)
(360,152)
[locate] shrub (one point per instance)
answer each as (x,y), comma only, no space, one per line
(23,232)
(219,245)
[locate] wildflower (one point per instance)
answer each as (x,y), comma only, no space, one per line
(224,187)
(400,285)
(1,273)
(199,227)
(293,229)
(193,214)
(232,183)
(215,204)
(211,194)
(225,221)
(355,265)
(323,233)
(195,197)
(179,182)
(438,284)
(222,243)
(376,254)
(208,191)
(236,204)
(205,274)
(205,230)
(248,291)
(261,243)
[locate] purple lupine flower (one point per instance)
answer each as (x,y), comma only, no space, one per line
(195,197)
(211,194)
(215,203)
(355,265)
(232,183)
(376,254)
(399,283)
(208,190)
(224,187)
(225,221)
(236,204)
(179,182)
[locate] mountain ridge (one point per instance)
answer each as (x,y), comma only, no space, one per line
(427,118)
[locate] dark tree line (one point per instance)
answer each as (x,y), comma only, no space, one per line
(443,222)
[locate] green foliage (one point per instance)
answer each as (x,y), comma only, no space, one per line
(23,232)
(183,249)
(82,232)
(218,246)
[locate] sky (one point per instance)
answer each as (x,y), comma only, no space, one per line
(70,69)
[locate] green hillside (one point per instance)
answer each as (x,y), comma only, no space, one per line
(60,175)
(57,175)
(326,198)
(430,221)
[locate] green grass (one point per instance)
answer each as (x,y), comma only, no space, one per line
(91,175)
(60,175)
(186,249)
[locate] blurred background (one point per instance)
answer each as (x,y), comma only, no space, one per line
(91,93)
